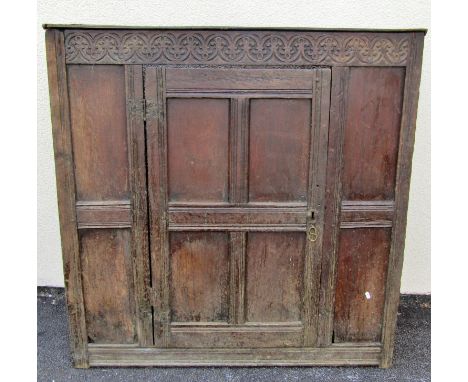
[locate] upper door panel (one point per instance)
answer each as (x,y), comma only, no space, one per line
(198,156)
(279,149)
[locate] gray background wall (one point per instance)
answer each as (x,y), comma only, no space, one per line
(252,13)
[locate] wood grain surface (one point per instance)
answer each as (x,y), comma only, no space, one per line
(233,197)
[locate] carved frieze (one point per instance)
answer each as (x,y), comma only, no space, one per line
(235,47)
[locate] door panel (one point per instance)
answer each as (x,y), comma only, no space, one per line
(372,132)
(279,150)
(199,276)
(99,131)
(275,269)
(108,286)
(362,270)
(198,157)
(236,172)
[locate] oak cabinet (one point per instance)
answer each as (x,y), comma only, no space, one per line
(232,197)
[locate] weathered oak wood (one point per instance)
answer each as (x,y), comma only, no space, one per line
(138,187)
(403,175)
(104,214)
(232,197)
(316,204)
(333,356)
(338,107)
(247,47)
(64,170)
(362,214)
(233,80)
(373,119)
(227,163)
(237,215)
(108,286)
(156,145)
(360,292)
(257,336)
(237,253)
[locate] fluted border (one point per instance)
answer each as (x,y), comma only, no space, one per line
(236,47)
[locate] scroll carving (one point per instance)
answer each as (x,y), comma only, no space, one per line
(235,47)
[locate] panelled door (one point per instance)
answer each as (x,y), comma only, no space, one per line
(236,174)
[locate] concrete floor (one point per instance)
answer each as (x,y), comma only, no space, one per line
(412,354)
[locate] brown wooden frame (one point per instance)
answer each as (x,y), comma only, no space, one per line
(308,48)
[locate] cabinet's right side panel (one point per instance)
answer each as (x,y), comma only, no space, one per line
(365,117)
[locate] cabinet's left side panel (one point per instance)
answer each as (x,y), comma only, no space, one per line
(99,143)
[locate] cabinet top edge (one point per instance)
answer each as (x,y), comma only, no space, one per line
(228,28)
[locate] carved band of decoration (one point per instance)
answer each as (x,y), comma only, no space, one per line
(235,48)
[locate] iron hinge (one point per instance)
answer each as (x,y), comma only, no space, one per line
(142,108)
(152,298)
(161,316)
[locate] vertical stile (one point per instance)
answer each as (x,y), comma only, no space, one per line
(137,166)
(316,188)
(64,168)
(157,197)
(405,154)
(238,195)
(338,97)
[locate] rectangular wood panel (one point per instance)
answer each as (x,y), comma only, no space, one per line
(372,132)
(275,269)
(360,286)
(198,150)
(99,131)
(199,276)
(279,150)
(107,285)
